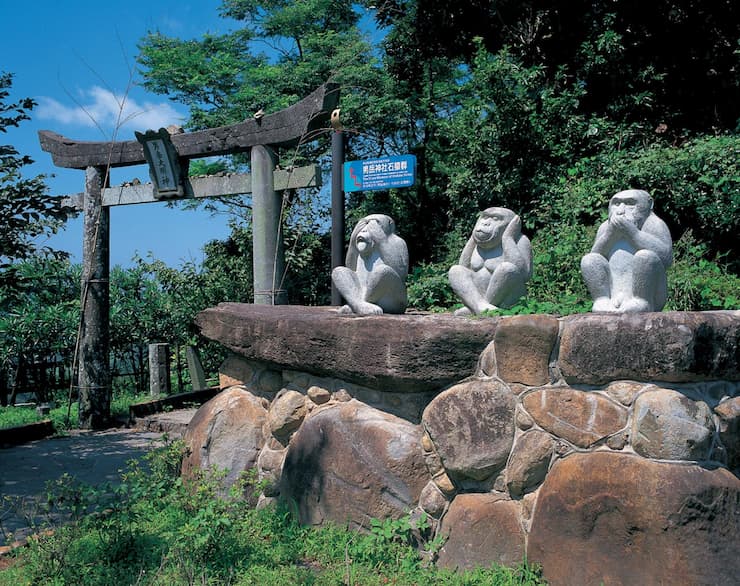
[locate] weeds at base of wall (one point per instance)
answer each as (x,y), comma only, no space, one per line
(156,529)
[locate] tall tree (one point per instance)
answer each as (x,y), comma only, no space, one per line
(662,61)
(39,327)
(282,51)
(27,211)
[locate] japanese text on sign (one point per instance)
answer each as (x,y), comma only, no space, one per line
(385,173)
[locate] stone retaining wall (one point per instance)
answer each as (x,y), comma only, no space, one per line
(604,447)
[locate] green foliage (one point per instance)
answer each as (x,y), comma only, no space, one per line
(202,167)
(26,209)
(39,318)
(697,283)
(13,416)
(207,75)
(696,186)
(428,288)
(226,79)
(505,141)
(65,418)
(666,59)
(156,529)
(556,280)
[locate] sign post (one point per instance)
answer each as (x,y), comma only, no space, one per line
(164,163)
(337,201)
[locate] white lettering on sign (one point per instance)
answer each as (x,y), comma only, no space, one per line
(162,168)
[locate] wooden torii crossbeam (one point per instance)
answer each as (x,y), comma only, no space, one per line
(202,187)
(290,127)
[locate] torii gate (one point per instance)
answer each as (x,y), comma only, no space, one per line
(287,128)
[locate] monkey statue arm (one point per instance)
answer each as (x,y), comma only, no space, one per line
(604,238)
(467,253)
(654,235)
(516,248)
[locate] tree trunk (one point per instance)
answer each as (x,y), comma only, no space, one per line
(18,379)
(3,388)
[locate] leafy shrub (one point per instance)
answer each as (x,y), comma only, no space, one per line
(12,416)
(696,283)
(156,529)
(429,289)
(696,186)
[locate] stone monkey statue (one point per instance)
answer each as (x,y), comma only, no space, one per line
(374,278)
(626,268)
(495,264)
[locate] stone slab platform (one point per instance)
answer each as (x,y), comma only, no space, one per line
(426,352)
(401,353)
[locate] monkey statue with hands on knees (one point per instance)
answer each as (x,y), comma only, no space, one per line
(495,264)
(625,272)
(374,278)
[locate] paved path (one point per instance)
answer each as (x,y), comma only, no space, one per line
(94,458)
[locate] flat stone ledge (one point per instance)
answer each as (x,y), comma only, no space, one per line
(421,352)
(20,434)
(401,353)
(670,346)
(174,423)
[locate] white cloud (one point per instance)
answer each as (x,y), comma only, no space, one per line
(101,108)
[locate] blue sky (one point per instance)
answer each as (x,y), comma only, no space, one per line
(78,56)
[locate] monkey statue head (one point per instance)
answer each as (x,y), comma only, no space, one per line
(490,227)
(635,205)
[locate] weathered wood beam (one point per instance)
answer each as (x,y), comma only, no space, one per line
(287,127)
(199,187)
(94,381)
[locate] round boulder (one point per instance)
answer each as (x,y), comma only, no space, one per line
(226,433)
(729,431)
(580,417)
(350,463)
(481,529)
(529,462)
(668,425)
(472,427)
(432,501)
(609,518)
(286,414)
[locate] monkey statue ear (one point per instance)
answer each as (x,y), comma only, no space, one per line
(651,203)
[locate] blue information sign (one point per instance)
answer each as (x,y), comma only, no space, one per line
(385,173)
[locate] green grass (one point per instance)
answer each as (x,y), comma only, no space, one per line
(14,416)
(157,530)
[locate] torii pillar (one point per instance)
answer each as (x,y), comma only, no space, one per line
(267,250)
(93,378)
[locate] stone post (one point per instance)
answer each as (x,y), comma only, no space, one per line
(268,254)
(159,369)
(195,367)
(94,367)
